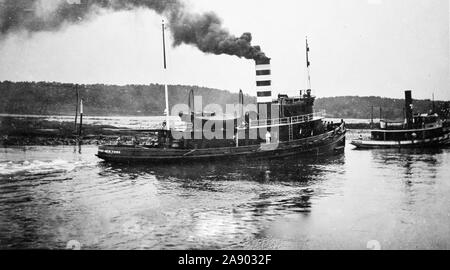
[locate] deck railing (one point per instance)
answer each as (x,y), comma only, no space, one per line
(287,120)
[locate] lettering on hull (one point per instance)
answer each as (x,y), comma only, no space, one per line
(113,152)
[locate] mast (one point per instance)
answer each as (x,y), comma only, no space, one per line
(166,90)
(241,104)
(371,119)
(308,65)
(434,106)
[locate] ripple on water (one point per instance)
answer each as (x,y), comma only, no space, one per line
(16,170)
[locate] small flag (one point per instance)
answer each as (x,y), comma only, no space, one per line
(307,54)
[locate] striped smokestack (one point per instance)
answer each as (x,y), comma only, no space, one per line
(263,81)
(263,88)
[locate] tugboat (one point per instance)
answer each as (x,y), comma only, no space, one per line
(281,127)
(418,130)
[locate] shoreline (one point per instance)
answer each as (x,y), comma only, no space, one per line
(38,132)
(26,132)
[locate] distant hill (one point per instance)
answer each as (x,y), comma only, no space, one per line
(46,98)
(52,98)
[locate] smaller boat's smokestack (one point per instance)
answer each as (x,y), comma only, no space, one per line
(409,108)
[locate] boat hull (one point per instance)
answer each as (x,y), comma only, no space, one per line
(440,141)
(326,144)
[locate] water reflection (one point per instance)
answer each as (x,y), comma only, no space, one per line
(270,186)
(415,172)
(411,161)
(262,171)
(233,201)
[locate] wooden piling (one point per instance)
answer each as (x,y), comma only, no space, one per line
(77,93)
(81,118)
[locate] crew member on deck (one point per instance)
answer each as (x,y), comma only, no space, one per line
(136,141)
(268,137)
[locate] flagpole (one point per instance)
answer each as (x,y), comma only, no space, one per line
(434,105)
(308,64)
(166,90)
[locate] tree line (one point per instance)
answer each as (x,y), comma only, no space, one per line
(53,98)
(378,107)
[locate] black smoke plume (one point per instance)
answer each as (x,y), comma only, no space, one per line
(205,31)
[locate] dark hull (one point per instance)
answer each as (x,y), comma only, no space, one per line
(325,144)
(441,141)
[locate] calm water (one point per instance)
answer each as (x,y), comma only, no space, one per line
(397,199)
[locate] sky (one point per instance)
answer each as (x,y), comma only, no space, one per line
(358,47)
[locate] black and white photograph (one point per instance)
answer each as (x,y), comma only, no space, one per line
(225,125)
